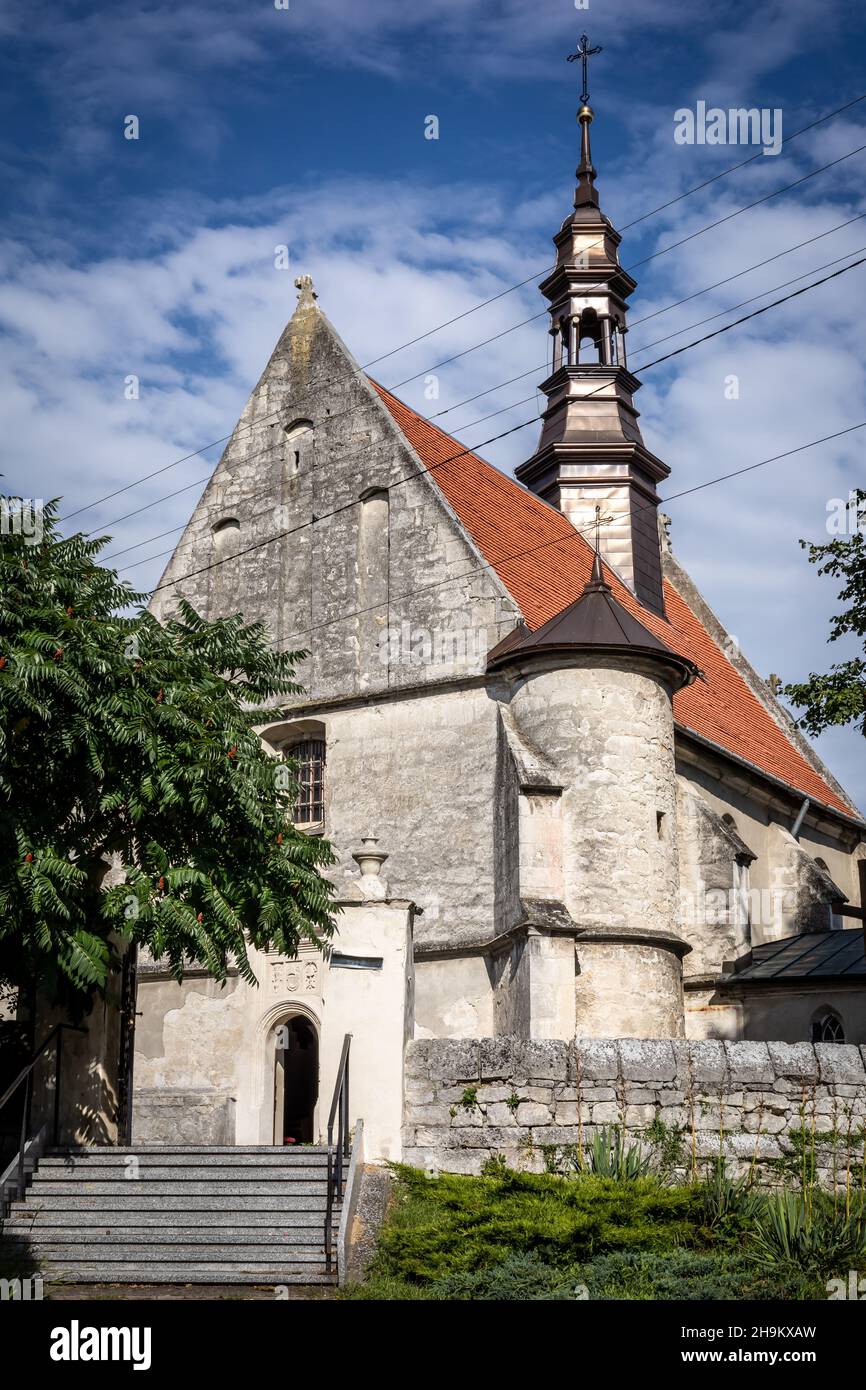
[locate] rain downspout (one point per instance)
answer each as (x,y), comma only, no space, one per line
(801,816)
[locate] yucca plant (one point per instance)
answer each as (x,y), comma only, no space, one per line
(728,1200)
(608,1157)
(823,1234)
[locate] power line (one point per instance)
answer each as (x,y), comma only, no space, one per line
(575,533)
(643,217)
(798,246)
(732,308)
(756,313)
(539,367)
(523,400)
(280,535)
(485,342)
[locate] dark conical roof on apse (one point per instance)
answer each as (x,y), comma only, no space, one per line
(594,622)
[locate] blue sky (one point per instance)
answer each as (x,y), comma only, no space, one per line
(305,126)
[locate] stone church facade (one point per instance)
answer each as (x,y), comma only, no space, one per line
(564,803)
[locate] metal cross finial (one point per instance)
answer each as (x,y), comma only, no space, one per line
(597,530)
(584,52)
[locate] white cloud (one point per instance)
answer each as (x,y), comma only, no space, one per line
(196,312)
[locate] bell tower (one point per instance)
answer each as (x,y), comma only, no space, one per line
(591,453)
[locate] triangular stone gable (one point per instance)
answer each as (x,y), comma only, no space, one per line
(371,571)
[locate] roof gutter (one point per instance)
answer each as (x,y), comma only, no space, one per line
(856,822)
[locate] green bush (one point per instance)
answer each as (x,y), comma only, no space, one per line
(528,1237)
(520,1278)
(454,1224)
(690,1275)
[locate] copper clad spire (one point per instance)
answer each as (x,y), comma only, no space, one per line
(585,194)
(590,449)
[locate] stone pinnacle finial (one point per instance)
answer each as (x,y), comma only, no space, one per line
(307,295)
(370,860)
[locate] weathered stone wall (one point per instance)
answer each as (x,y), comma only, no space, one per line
(781,902)
(606,726)
(533,1102)
(350,549)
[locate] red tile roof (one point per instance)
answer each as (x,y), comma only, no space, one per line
(544,563)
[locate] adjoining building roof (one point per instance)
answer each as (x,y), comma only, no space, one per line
(545,564)
(820,955)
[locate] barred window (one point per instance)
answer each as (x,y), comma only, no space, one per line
(309,756)
(828,1027)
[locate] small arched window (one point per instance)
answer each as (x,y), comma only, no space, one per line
(308,754)
(297,435)
(828,1027)
(226,532)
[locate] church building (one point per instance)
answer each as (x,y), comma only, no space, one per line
(563,802)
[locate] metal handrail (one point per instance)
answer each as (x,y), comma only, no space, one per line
(336,1156)
(26,1076)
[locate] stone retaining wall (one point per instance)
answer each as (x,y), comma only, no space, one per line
(536,1103)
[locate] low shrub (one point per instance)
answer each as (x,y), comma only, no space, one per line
(528,1237)
(449,1224)
(691,1276)
(519,1278)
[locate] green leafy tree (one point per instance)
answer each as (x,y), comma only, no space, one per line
(839,696)
(131,743)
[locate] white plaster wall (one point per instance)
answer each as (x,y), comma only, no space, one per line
(787,1014)
(453,998)
(375,1006)
(756,825)
(419,773)
(628,990)
(216,1047)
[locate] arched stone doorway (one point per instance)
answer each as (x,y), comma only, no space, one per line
(296,1080)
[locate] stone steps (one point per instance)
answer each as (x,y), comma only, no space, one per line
(104,1218)
(75,1160)
(151,1174)
(189,1272)
(37,1236)
(271,1255)
(171,1214)
(165,1187)
(74,1200)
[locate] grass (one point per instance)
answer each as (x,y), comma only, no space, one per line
(520,1236)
